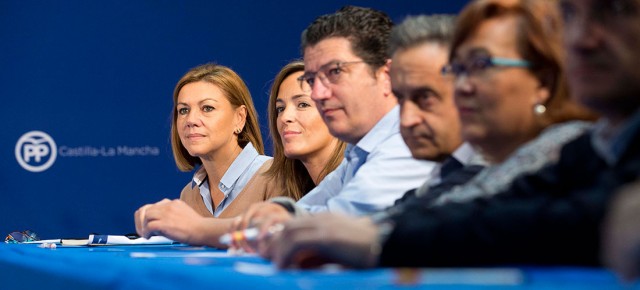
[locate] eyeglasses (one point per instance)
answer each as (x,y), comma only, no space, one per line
(21,237)
(480,64)
(328,74)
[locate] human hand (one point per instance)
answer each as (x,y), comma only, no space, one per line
(139,217)
(265,216)
(312,241)
(173,219)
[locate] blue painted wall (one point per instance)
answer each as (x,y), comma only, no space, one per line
(97,77)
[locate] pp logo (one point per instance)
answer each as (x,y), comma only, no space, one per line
(36,151)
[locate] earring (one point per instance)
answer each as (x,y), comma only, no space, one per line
(539,109)
(238,131)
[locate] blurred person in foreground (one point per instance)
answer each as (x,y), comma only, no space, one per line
(551,217)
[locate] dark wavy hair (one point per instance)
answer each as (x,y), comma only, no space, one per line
(367,29)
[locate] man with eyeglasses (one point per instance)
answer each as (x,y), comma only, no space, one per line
(347,71)
(547,218)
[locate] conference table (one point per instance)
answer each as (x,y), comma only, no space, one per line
(28,266)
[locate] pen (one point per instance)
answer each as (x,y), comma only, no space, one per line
(250,234)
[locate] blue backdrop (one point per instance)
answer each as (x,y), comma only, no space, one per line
(86,96)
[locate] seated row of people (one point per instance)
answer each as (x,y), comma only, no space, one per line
(506,167)
(358,185)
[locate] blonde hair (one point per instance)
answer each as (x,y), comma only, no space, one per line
(291,173)
(236,92)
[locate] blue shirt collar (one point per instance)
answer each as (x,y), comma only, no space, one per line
(380,132)
(239,165)
(467,155)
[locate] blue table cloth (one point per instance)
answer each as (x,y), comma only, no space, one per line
(24,266)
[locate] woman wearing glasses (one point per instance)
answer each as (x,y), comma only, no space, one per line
(511,93)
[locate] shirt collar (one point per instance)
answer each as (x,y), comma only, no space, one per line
(610,142)
(380,132)
(239,165)
(199,177)
(468,156)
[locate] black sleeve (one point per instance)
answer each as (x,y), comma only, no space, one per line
(409,195)
(456,178)
(459,177)
(551,217)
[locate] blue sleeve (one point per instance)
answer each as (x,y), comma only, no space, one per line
(388,172)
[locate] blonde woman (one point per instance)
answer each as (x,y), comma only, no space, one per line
(215,128)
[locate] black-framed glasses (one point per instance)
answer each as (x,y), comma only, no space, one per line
(21,237)
(480,64)
(328,74)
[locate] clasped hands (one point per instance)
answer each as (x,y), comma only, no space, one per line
(308,241)
(173,219)
(304,242)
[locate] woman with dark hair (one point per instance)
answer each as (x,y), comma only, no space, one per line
(304,150)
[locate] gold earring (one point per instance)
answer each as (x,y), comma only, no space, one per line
(238,131)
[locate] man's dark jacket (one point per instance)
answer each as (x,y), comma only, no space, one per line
(546,218)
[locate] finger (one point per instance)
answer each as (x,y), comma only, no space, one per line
(138,218)
(247,246)
(273,224)
(276,249)
(156,211)
(289,255)
(235,225)
(270,209)
(257,212)
(303,254)
(285,245)
(152,219)
(299,244)
(277,244)
(266,245)
(249,215)
(143,218)
(163,201)
(153,228)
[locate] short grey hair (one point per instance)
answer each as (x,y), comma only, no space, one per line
(415,30)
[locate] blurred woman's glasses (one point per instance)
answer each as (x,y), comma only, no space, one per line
(478,65)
